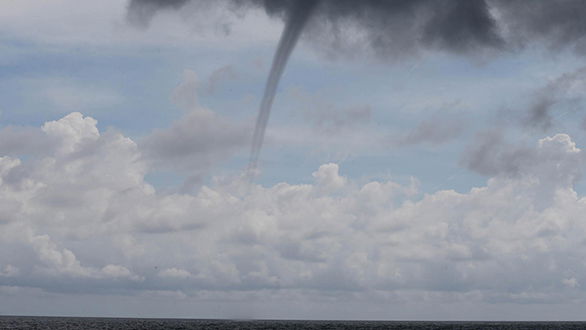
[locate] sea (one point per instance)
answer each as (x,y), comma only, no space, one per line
(50,323)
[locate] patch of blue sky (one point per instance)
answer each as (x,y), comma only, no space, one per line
(436,168)
(144,81)
(24,85)
(400,97)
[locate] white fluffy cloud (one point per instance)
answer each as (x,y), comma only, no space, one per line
(82,214)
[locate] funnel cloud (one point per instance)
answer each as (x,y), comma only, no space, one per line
(390,30)
(296,21)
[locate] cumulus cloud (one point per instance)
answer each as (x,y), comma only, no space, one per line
(82,214)
(555,162)
(328,177)
(175,273)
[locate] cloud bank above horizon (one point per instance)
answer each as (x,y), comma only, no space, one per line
(80,212)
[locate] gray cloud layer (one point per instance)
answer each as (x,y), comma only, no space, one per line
(437,129)
(198,140)
(568,87)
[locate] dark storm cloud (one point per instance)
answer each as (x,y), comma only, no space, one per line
(390,28)
(141,12)
(558,23)
(387,27)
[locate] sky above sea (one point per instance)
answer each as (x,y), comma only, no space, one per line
(434,182)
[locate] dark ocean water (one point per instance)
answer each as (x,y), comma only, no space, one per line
(50,323)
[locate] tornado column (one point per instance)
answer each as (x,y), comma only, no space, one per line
(297,19)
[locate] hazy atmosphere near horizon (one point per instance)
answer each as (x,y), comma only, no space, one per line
(422,159)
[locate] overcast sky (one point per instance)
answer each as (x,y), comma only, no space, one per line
(420,162)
